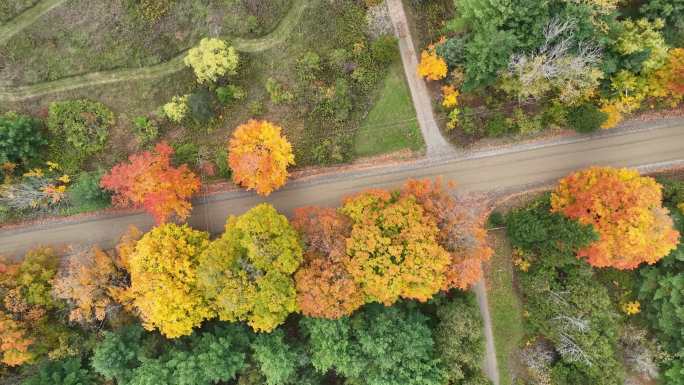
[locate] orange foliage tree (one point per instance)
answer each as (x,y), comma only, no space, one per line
(259,156)
(392,249)
(14,344)
(324,286)
(149,180)
(461,230)
(89,280)
(625,210)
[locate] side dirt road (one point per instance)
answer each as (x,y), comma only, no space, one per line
(434,141)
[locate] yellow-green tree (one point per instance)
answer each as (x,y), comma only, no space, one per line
(212,59)
(393,249)
(164,288)
(246,274)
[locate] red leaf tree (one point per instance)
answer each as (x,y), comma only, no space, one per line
(149,180)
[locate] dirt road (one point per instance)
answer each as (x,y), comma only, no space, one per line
(662,142)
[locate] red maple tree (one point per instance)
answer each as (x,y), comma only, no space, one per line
(149,180)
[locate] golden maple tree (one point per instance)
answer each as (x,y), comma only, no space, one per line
(259,156)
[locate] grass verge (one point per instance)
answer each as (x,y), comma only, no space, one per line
(391,124)
(504,305)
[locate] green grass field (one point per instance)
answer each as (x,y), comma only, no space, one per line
(391,124)
(504,305)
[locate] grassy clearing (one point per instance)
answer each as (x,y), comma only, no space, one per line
(391,125)
(504,305)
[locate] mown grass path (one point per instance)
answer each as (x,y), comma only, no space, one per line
(26,18)
(19,93)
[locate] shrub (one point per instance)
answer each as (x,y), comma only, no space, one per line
(496,125)
(200,106)
(85,191)
(177,109)
(83,124)
(277,92)
(212,59)
(432,67)
(229,93)
(145,130)
(536,230)
(221,161)
(185,153)
(20,139)
(151,10)
(586,118)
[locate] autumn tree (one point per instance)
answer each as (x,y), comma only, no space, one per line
(324,286)
(31,325)
(626,212)
(149,180)
(461,229)
(164,285)
(212,59)
(246,274)
(393,249)
(89,280)
(14,342)
(259,156)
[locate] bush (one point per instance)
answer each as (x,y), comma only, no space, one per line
(185,153)
(497,125)
(277,92)
(85,191)
(586,118)
(200,106)
(535,229)
(229,94)
(221,161)
(146,131)
(496,219)
(177,109)
(20,139)
(83,124)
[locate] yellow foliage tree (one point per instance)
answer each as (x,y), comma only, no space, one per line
(212,59)
(393,250)
(163,269)
(259,156)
